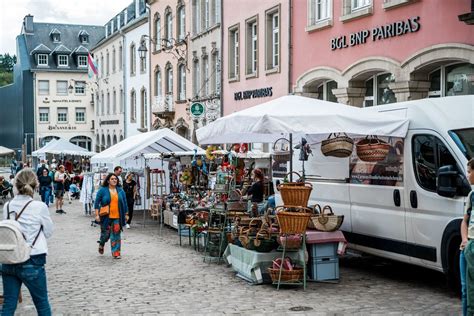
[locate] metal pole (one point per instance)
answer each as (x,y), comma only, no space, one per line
(291,157)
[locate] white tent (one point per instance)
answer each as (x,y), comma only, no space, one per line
(301,116)
(4,151)
(61,146)
(129,152)
(198,152)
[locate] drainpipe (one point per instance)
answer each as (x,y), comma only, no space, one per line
(124,72)
(149,92)
(290,53)
(221,53)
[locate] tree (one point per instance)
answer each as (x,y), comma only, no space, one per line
(6,68)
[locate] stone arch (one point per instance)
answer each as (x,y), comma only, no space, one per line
(316,75)
(367,67)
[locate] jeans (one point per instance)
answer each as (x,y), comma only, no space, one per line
(469,255)
(45,193)
(462,271)
(32,273)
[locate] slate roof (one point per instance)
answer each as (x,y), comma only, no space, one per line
(70,43)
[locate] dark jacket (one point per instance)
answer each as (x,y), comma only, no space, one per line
(39,172)
(103,198)
(256,190)
(44,181)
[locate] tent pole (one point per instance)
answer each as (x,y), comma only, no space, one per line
(291,157)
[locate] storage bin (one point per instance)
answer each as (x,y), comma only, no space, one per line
(323,250)
(323,269)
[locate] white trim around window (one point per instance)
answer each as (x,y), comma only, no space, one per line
(354,9)
(63,61)
(82,61)
(81,115)
(320,14)
(42,59)
(62,115)
(43,115)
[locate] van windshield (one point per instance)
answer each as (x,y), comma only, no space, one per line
(464,138)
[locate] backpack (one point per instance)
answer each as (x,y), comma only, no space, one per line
(13,246)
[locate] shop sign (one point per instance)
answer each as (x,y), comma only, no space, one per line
(60,127)
(257,93)
(65,101)
(197,109)
(378,33)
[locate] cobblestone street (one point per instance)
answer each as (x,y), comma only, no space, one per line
(156,275)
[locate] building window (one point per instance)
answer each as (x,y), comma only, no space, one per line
(84,39)
(44,115)
(43,87)
(205,77)
(181,23)
(133,60)
(42,60)
(107,60)
(319,11)
(325,91)
(217,11)
(157,33)
(61,87)
(378,91)
(169,29)
(182,82)
(80,88)
(120,57)
(143,64)
(196,16)
(82,61)
(122,105)
(56,38)
(80,115)
(169,80)
(62,115)
(101,67)
(359,4)
(251,46)
(62,61)
(459,79)
(206,14)
(353,9)
(114,102)
(143,117)
(234,52)
(158,84)
(196,78)
(108,102)
(133,107)
(113,60)
(213,78)
(102,103)
(97,104)
(272,40)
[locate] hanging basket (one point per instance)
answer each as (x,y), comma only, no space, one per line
(292,222)
(327,221)
(295,193)
(372,149)
(337,145)
(281,154)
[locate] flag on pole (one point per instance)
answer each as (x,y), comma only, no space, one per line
(92,66)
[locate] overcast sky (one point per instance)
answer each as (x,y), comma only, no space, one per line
(94,12)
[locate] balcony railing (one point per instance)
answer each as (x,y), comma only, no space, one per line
(163,104)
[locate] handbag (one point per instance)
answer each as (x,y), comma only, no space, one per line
(104,210)
(138,199)
(337,145)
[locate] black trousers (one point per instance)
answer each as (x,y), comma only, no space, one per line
(130,204)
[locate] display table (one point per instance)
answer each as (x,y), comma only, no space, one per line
(251,265)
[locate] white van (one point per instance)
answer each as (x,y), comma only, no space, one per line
(415,215)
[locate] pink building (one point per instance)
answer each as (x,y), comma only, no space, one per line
(369,52)
(255,52)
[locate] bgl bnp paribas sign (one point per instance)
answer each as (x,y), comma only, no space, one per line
(378,33)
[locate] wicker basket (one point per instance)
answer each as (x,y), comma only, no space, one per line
(236,206)
(295,193)
(294,275)
(316,212)
(337,145)
(280,155)
(372,149)
(327,221)
(292,222)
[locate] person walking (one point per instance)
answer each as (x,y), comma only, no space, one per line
(112,213)
(467,249)
(45,186)
(37,226)
(59,179)
(118,172)
(130,188)
(41,167)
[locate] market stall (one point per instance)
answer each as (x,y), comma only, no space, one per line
(6,154)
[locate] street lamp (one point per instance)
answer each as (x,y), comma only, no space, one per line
(142,50)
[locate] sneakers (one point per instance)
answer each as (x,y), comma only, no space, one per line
(101,250)
(60,212)
(127,226)
(117,257)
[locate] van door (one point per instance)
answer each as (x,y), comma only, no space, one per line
(378,208)
(428,213)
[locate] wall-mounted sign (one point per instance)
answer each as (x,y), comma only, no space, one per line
(66,101)
(197,109)
(109,122)
(378,33)
(257,93)
(60,127)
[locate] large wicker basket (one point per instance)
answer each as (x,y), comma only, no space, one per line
(372,149)
(327,221)
(281,154)
(337,145)
(292,222)
(295,193)
(294,275)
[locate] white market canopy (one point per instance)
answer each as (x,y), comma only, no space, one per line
(301,116)
(162,140)
(62,146)
(4,151)
(198,152)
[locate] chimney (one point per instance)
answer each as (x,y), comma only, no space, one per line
(28,23)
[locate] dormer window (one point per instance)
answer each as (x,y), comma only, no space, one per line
(83,37)
(42,60)
(63,61)
(82,61)
(55,35)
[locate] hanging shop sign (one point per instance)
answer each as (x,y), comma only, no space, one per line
(252,94)
(197,109)
(378,33)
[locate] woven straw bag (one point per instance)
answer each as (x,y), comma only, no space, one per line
(327,221)
(280,154)
(372,149)
(337,145)
(292,222)
(295,193)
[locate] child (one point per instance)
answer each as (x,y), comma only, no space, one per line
(467,249)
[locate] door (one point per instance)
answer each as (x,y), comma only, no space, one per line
(427,212)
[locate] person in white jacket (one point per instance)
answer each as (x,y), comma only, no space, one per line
(36,224)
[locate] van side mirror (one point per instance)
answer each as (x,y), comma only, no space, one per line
(451,183)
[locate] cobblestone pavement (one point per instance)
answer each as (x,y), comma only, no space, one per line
(157,276)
